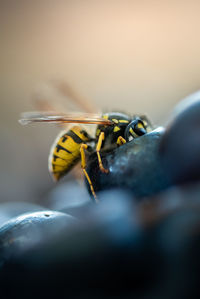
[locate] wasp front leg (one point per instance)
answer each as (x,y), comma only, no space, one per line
(120,140)
(98,148)
(83,166)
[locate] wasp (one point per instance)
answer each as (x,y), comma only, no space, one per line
(113,129)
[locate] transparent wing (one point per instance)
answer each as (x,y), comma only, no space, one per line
(56,94)
(52,117)
(72,94)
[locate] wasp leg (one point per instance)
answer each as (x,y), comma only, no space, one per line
(98,148)
(120,140)
(83,166)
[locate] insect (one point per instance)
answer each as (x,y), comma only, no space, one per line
(113,129)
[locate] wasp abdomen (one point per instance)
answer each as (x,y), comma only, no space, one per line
(65,152)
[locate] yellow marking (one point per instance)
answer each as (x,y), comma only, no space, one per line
(116,129)
(83,165)
(115,120)
(140,126)
(105,116)
(67,153)
(98,132)
(98,148)
(69,145)
(77,130)
(145,123)
(59,162)
(63,155)
(57,168)
(132,132)
(120,140)
(123,121)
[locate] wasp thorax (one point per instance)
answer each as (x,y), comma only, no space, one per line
(114,131)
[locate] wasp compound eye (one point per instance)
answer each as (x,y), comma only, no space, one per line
(134,129)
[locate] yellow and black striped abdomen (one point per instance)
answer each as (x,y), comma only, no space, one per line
(65,152)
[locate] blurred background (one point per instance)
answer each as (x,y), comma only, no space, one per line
(139,56)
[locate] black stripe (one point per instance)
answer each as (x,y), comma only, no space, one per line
(75,137)
(70,166)
(57,157)
(59,147)
(64,138)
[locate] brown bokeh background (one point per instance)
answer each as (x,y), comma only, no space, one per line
(135,56)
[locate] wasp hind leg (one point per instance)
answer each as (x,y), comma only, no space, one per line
(83,166)
(98,148)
